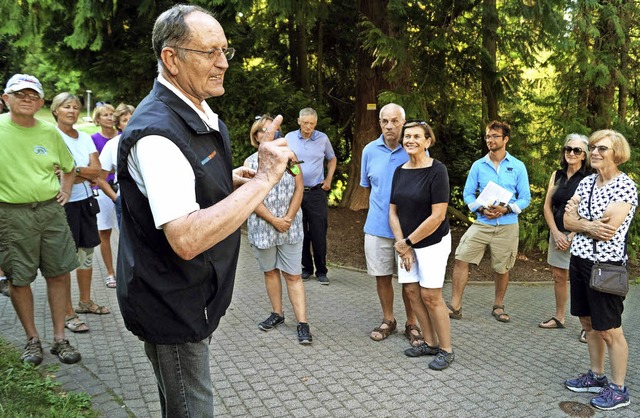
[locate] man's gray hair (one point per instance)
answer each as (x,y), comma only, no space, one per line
(170,29)
(390,106)
(307,111)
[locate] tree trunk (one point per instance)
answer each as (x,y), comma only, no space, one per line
(490,81)
(369,83)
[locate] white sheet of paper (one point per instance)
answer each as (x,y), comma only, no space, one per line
(494,194)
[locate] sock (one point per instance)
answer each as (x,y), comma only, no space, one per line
(3,278)
(598,376)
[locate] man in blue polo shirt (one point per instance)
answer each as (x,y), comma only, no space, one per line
(497,224)
(379,160)
(313,147)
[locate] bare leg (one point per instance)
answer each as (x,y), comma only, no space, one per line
(411,316)
(432,299)
(459,281)
(384,286)
(618,353)
(84,284)
(421,312)
(59,295)
(22,300)
(502,282)
(595,345)
(295,289)
(561,290)
(274,290)
(105,250)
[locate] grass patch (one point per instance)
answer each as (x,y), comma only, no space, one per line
(27,391)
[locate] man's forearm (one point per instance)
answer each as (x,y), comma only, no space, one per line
(198,231)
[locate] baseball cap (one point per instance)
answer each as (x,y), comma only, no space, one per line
(24,81)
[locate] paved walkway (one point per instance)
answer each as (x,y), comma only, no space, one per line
(501,370)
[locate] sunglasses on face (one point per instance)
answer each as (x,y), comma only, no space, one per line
(576,150)
(601,148)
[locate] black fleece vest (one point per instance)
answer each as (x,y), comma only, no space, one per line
(163,298)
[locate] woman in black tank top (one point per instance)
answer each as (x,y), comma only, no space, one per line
(562,186)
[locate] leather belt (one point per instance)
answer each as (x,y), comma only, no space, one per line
(316,187)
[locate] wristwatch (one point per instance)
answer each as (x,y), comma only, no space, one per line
(77,170)
(408,242)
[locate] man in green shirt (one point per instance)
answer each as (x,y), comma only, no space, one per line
(34,233)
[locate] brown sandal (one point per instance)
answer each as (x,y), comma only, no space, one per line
(415,338)
(91,308)
(384,332)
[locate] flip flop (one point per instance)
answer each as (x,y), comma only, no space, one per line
(555,323)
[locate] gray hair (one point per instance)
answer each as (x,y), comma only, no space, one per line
(393,106)
(307,111)
(170,29)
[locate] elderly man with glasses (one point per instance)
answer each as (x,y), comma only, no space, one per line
(35,233)
(181,216)
(497,212)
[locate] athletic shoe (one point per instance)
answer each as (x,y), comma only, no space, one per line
(587,382)
(323,279)
(611,398)
(4,287)
(423,349)
(32,352)
(304,334)
(306,276)
(66,352)
(442,360)
(273,321)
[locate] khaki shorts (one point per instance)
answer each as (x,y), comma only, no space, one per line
(35,236)
(380,255)
(284,257)
(502,241)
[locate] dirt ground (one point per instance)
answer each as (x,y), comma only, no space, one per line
(346,248)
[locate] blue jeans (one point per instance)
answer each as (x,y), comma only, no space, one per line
(184,379)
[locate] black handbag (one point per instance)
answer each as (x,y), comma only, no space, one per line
(607,277)
(94,207)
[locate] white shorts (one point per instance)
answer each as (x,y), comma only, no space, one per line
(107,215)
(430,265)
(380,255)
(284,257)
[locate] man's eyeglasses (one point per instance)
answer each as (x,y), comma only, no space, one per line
(576,150)
(23,95)
(494,136)
(601,148)
(213,53)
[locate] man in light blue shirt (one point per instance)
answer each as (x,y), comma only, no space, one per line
(379,160)
(497,223)
(313,147)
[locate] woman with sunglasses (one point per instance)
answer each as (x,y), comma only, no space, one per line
(562,186)
(600,214)
(418,219)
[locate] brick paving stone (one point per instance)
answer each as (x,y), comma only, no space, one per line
(501,370)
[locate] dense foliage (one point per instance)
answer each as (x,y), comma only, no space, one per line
(547,67)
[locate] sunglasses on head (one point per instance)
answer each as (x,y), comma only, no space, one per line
(576,150)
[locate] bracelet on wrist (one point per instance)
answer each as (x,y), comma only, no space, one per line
(408,242)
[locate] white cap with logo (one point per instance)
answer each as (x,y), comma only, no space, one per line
(24,81)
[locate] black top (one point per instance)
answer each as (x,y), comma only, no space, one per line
(413,191)
(565,189)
